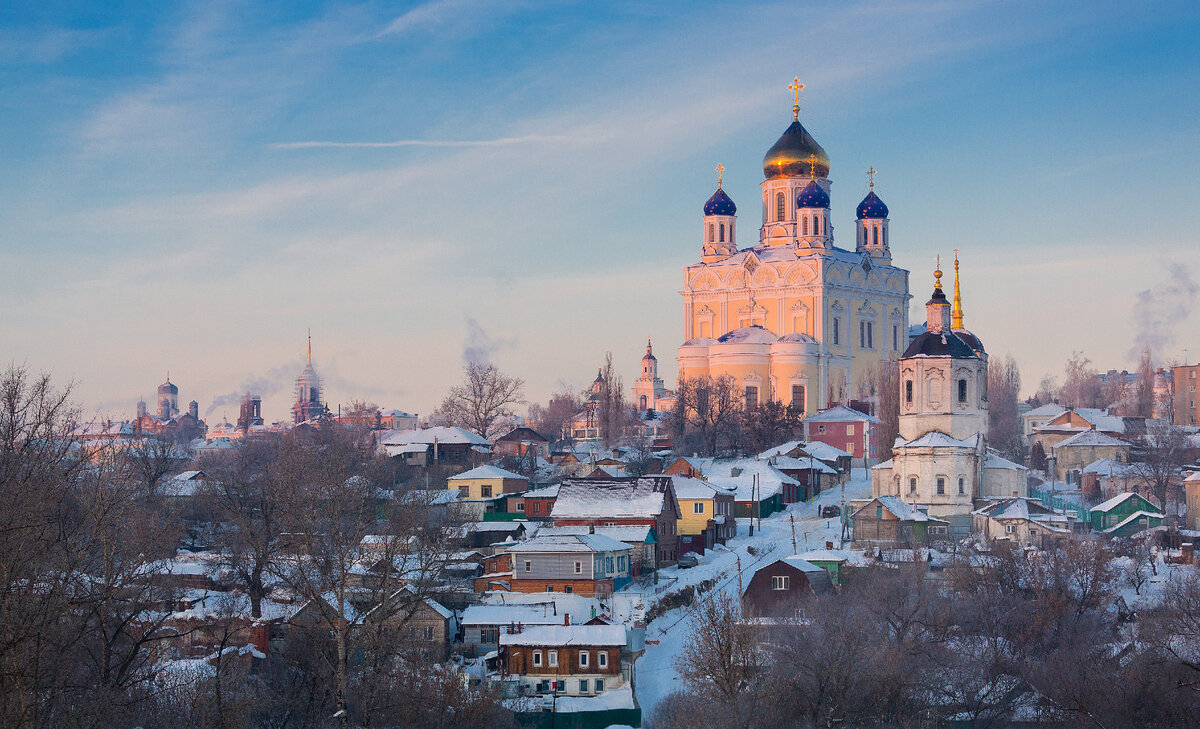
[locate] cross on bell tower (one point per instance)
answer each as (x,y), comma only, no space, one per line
(720,168)
(796,87)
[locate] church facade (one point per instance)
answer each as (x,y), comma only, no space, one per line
(793,317)
(941,463)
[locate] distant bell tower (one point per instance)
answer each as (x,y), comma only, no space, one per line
(872,225)
(648,388)
(308,405)
(720,223)
(168,400)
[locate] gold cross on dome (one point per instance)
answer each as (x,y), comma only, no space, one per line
(871,176)
(796,87)
(812,165)
(720,169)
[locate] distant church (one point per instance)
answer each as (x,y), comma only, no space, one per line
(309,405)
(793,317)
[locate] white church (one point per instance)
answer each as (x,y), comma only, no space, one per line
(941,463)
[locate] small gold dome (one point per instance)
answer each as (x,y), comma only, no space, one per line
(796,154)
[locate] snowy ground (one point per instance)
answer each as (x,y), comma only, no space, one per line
(654,673)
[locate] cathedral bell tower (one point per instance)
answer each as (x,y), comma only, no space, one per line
(720,222)
(872,225)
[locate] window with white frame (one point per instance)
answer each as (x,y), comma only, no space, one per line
(698,507)
(528,565)
(780,582)
(537,659)
(602,659)
(583,659)
(578,567)
(849,430)
(552,658)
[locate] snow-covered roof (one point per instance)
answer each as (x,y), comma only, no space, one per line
(1110,467)
(885,464)
(627,533)
(546,492)
(824,451)
(770,479)
(802,564)
(1049,410)
(901,509)
(431,497)
(487,471)
(937,439)
(441,434)
(779,450)
(540,614)
(787,463)
(840,414)
(994,460)
(183,484)
(642,497)
(1132,518)
(687,487)
(559,635)
(1090,438)
(1114,502)
(569,543)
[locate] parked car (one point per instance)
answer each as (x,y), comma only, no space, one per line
(688,561)
(829,511)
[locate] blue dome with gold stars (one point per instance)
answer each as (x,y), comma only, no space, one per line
(812,196)
(720,204)
(872,207)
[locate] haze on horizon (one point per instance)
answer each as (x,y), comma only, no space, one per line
(189,187)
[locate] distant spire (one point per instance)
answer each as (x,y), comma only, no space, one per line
(796,87)
(937,275)
(310,346)
(956,315)
(648,350)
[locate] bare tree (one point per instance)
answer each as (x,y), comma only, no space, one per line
(770,423)
(707,413)
(613,413)
(151,460)
(1004,420)
(889,406)
(1081,388)
(485,395)
(552,419)
(723,656)
(1158,460)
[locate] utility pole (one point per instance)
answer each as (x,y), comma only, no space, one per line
(792,518)
(739,568)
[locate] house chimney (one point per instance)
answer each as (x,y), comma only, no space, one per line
(828,545)
(591,528)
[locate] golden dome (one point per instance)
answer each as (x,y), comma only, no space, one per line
(796,154)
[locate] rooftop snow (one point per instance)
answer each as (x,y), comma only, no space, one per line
(486,471)
(559,635)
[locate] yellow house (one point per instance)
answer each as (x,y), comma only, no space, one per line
(707,514)
(487,482)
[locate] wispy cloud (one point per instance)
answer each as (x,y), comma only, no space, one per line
(431,14)
(499,142)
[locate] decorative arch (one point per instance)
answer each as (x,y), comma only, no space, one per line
(705,281)
(766,276)
(800,273)
(736,278)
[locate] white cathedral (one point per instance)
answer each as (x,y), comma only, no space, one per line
(941,463)
(793,317)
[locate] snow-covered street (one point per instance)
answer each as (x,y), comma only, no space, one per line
(655,674)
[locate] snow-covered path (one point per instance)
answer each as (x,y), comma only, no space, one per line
(655,675)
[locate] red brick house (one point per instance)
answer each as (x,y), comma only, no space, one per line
(540,502)
(848,429)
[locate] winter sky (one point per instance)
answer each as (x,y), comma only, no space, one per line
(188,187)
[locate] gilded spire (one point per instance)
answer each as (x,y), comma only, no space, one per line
(310,346)
(937,275)
(796,87)
(956,315)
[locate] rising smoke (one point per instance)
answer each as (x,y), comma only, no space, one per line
(276,379)
(480,347)
(1161,309)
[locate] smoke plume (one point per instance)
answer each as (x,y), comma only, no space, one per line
(480,347)
(1161,309)
(276,379)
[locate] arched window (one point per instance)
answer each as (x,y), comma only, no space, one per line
(897,485)
(912,485)
(962,391)
(805,225)
(779,209)
(876,235)
(643,402)
(908,391)
(722,233)
(941,486)
(962,485)
(711,237)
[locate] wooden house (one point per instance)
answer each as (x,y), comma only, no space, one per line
(1124,514)
(571,660)
(779,589)
(888,521)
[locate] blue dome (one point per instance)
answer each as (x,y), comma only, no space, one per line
(720,204)
(872,207)
(812,196)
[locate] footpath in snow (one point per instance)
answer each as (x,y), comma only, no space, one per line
(655,674)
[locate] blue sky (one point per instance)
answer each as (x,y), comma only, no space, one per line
(190,186)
